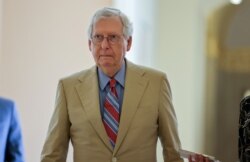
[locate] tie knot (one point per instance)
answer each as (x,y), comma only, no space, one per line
(112,83)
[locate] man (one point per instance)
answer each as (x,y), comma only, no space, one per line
(116,110)
(11,145)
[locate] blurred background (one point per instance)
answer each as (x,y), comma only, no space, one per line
(203,46)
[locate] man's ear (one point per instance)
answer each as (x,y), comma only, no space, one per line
(129,43)
(89,42)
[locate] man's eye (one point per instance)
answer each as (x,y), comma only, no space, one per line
(113,36)
(98,36)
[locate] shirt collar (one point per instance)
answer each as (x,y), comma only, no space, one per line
(119,77)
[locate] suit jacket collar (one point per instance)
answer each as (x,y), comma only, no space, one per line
(88,91)
(135,85)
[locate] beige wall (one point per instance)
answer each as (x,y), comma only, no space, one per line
(42,42)
(177,54)
(1,24)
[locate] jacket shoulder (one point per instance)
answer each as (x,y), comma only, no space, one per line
(245,103)
(79,75)
(4,102)
(148,71)
(7,107)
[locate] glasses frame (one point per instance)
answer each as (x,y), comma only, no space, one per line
(112,39)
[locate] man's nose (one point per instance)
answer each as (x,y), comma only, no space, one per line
(105,43)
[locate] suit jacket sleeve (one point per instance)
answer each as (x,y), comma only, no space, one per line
(168,132)
(14,146)
(56,145)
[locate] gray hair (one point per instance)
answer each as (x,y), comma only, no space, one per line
(108,12)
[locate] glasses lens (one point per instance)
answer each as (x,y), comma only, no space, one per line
(97,38)
(112,39)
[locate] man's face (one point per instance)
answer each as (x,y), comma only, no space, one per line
(108,45)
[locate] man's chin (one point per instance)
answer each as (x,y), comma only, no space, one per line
(106,64)
(108,69)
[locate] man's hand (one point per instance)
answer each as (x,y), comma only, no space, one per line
(198,158)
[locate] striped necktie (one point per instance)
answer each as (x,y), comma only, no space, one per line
(111,115)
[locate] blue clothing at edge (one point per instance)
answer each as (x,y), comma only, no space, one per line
(11,145)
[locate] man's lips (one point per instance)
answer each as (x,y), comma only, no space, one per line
(106,56)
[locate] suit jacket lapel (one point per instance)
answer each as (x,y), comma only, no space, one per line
(135,85)
(89,94)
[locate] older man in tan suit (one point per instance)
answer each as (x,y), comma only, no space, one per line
(116,110)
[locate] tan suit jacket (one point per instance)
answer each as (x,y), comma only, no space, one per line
(147,113)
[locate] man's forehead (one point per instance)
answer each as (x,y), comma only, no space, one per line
(109,19)
(108,24)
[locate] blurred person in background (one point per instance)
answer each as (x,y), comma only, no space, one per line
(244,130)
(11,144)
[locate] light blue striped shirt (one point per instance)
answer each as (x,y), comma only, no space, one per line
(104,86)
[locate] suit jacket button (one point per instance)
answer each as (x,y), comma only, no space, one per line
(114,159)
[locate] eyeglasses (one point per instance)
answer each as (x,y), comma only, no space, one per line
(112,39)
